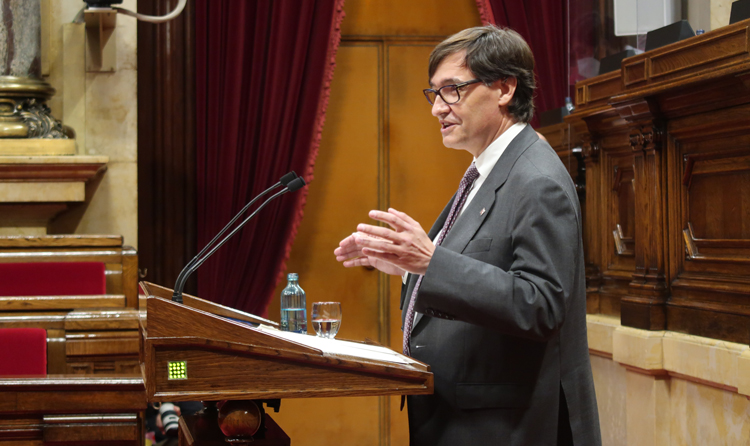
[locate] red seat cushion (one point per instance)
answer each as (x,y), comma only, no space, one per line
(52,279)
(23,351)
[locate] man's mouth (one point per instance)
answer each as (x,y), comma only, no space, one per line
(445,126)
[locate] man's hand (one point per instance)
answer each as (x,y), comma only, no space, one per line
(351,255)
(406,246)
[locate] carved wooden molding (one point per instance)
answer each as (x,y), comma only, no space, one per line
(715,250)
(60,241)
(593,277)
(648,137)
(591,150)
(696,57)
(714,163)
(47,303)
(623,244)
(597,90)
(683,113)
(617,179)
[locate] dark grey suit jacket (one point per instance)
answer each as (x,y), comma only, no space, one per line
(503,303)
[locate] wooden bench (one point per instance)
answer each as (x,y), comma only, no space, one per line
(86,334)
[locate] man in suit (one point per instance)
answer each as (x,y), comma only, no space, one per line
(494,296)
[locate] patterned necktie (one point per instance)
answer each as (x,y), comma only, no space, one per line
(463,191)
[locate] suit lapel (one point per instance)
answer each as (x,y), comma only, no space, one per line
(472,217)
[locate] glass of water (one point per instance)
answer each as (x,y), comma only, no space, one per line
(326,318)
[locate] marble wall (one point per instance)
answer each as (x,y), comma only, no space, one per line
(102,109)
(668,389)
(720,11)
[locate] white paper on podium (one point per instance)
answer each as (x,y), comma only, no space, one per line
(340,348)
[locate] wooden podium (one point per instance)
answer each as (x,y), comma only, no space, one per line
(201,351)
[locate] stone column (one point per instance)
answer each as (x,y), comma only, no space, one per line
(23,93)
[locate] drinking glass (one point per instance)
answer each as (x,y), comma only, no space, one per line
(326,318)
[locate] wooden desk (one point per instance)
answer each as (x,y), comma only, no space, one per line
(666,146)
(68,409)
(191,353)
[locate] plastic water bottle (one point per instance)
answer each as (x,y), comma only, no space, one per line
(293,306)
(569,104)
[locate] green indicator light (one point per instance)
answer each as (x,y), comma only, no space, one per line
(177,369)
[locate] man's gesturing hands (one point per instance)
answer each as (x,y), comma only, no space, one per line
(404,248)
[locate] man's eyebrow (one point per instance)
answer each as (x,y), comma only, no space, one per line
(449,81)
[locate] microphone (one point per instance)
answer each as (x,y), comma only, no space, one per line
(291,183)
(284,181)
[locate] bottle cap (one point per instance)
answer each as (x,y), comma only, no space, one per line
(292,276)
(698,32)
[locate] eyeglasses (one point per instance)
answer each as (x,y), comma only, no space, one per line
(448,93)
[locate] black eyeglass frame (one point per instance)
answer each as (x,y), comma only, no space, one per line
(458,86)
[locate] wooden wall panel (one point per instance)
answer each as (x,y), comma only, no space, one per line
(381,147)
(710,228)
(408,18)
(619,196)
(345,188)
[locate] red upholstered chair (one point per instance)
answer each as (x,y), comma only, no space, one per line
(23,351)
(52,279)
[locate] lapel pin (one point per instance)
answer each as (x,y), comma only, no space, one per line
(481,212)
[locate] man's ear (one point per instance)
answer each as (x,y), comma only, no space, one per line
(507,90)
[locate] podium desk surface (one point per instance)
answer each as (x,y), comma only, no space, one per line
(225,359)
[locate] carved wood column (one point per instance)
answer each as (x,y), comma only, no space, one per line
(576,148)
(590,148)
(645,305)
(593,202)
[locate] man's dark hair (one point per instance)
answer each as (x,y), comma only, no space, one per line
(494,53)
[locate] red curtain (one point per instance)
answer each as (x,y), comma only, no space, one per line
(263,74)
(543,24)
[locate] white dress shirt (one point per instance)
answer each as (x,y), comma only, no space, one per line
(484,163)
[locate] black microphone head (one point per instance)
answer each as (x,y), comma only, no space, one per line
(295,184)
(287,178)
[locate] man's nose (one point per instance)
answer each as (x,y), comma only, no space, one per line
(439,107)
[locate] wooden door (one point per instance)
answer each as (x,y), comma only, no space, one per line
(381,148)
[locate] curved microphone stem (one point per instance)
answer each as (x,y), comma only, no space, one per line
(231,234)
(177,296)
(180,278)
(188,269)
